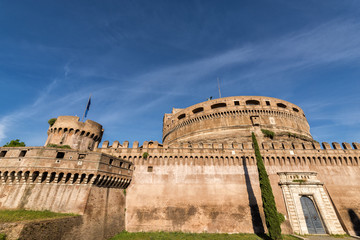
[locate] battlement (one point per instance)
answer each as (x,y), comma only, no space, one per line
(267,145)
(68,130)
(236,154)
(40,165)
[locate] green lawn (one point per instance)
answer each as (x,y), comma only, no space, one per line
(21,215)
(189,236)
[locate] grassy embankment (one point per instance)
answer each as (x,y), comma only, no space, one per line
(7,216)
(191,236)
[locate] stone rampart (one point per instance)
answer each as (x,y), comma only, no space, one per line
(214,187)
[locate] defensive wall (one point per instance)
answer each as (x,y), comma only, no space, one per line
(214,187)
(61,180)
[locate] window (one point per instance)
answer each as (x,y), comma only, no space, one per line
(252,102)
(296,110)
(181,116)
(22,153)
(121,164)
(3,153)
(111,161)
(82,156)
(60,155)
(281,105)
(267,103)
(218,105)
(197,110)
(150,169)
(236,103)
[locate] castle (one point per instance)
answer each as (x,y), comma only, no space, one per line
(201,178)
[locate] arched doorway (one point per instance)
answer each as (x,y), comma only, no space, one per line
(312,218)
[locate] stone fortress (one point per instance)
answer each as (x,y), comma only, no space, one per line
(201,178)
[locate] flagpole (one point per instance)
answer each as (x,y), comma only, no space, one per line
(86,108)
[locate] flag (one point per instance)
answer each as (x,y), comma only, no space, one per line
(88,106)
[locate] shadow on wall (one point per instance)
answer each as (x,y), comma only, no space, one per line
(257,223)
(355,221)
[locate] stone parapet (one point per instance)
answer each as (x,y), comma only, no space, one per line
(40,165)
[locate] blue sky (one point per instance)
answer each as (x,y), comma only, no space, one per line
(139,59)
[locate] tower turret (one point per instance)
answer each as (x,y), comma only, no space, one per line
(68,130)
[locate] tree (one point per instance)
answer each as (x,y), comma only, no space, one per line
(145,155)
(52,121)
(272,218)
(15,143)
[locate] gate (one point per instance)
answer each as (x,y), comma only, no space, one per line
(312,218)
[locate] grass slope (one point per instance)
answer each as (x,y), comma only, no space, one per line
(190,236)
(22,215)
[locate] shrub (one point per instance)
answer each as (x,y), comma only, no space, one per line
(268,133)
(145,155)
(52,121)
(271,214)
(58,146)
(2,236)
(15,143)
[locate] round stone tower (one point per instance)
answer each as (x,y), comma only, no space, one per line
(232,119)
(68,130)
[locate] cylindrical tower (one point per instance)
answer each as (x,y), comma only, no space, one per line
(68,130)
(233,119)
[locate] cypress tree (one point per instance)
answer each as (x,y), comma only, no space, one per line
(271,214)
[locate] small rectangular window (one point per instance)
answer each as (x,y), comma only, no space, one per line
(111,161)
(236,103)
(3,153)
(150,169)
(22,153)
(82,156)
(60,155)
(267,103)
(121,164)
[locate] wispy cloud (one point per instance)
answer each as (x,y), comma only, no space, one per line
(261,65)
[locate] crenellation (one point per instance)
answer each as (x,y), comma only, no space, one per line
(125,144)
(105,144)
(308,146)
(347,146)
(115,144)
(336,146)
(145,144)
(356,145)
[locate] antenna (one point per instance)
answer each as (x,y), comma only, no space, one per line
(219,87)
